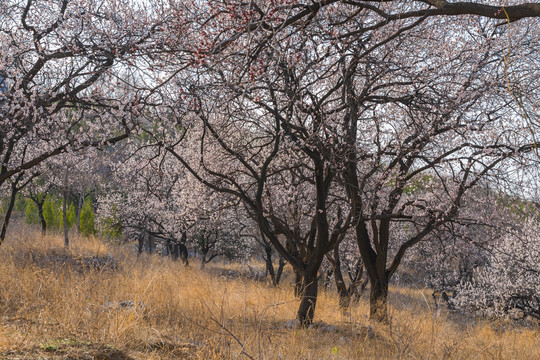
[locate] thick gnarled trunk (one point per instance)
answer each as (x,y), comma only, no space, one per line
(308,299)
(378,300)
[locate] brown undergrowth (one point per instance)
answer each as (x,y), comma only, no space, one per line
(97,301)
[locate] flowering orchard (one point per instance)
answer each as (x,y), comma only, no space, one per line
(511,279)
(306,124)
(354,105)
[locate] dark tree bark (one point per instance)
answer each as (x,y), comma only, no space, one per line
(177,250)
(64,211)
(140,247)
(80,203)
(150,244)
(65,221)
(378,300)
(308,300)
(275,276)
(352,292)
(298,281)
(39,200)
(183,253)
(9,210)
(342,290)
(279,273)
(183,249)
(15,187)
(42,218)
(169,249)
(269,265)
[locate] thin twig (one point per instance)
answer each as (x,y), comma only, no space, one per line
(234,337)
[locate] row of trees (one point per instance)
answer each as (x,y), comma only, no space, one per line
(46,211)
(316,122)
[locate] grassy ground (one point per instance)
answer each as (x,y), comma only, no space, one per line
(58,304)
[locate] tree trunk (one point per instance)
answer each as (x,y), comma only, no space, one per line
(8,212)
(176,251)
(168,248)
(378,300)
(41,217)
(297,283)
(150,244)
(269,265)
(79,209)
(183,253)
(344,293)
(203,259)
(358,290)
(64,210)
(141,245)
(65,222)
(375,263)
(308,300)
(280,270)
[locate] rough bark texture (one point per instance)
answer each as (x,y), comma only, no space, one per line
(378,301)
(297,283)
(308,300)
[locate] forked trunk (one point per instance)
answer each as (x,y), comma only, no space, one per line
(270,273)
(343,292)
(308,300)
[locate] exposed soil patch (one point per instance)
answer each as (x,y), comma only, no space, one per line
(58,259)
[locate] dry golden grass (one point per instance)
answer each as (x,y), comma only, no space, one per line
(54,306)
